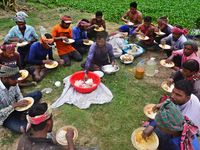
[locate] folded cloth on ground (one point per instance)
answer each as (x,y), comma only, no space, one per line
(137,52)
(69,95)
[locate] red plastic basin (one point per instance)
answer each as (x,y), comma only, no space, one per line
(80,76)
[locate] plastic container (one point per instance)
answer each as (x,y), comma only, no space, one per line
(42,30)
(139,73)
(151,67)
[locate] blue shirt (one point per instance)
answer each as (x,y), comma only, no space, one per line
(99,58)
(29,33)
(78,36)
(37,54)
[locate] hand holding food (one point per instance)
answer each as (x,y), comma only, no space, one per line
(20,40)
(22,103)
(170,81)
(65,39)
(156,107)
(70,134)
(48,61)
(85,40)
(163,42)
(147,132)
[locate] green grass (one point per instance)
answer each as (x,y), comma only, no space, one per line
(179,12)
(107,126)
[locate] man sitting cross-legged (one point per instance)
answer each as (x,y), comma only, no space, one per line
(98,54)
(147,29)
(38,54)
(134,16)
(40,119)
(9,99)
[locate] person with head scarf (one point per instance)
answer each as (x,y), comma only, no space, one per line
(38,56)
(164,27)
(135,18)
(62,33)
(80,37)
(175,40)
(180,130)
(11,98)
(40,119)
(188,52)
(22,33)
(9,56)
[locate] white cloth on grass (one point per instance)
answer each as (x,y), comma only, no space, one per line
(69,95)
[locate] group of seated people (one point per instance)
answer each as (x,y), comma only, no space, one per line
(174,130)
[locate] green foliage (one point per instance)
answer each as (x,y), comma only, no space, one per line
(1,3)
(178,11)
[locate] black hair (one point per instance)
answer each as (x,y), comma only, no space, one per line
(133,4)
(147,19)
(179,26)
(102,34)
(85,20)
(99,13)
(36,110)
(185,86)
(191,65)
(48,36)
(163,18)
(6,43)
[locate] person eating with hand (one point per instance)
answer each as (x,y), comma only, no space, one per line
(10,96)
(38,56)
(98,54)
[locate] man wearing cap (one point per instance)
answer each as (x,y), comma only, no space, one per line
(80,37)
(38,54)
(9,99)
(9,56)
(22,33)
(175,40)
(61,33)
(40,119)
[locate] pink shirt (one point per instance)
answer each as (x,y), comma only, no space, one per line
(184,58)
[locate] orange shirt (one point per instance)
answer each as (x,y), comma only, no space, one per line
(62,47)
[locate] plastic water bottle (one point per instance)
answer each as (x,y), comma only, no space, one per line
(139,73)
(42,30)
(151,67)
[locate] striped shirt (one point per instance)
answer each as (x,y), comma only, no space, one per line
(29,33)
(99,58)
(7,98)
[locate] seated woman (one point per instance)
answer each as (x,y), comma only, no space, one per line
(180,56)
(180,131)
(163,27)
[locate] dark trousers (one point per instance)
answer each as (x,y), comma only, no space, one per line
(24,54)
(74,54)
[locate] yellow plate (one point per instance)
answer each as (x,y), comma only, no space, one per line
(31,101)
(100,29)
(24,74)
(143,38)
(166,87)
(165,46)
(130,24)
(148,111)
(163,63)
(54,65)
(152,145)
(69,41)
(89,43)
(65,129)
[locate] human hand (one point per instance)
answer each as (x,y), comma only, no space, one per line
(22,103)
(170,81)
(65,39)
(96,26)
(163,42)
(20,40)
(113,63)
(49,61)
(172,47)
(156,30)
(70,134)
(142,34)
(85,40)
(156,107)
(147,132)
(86,77)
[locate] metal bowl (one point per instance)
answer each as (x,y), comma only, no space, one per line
(108,69)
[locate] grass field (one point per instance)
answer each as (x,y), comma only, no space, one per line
(107,126)
(179,12)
